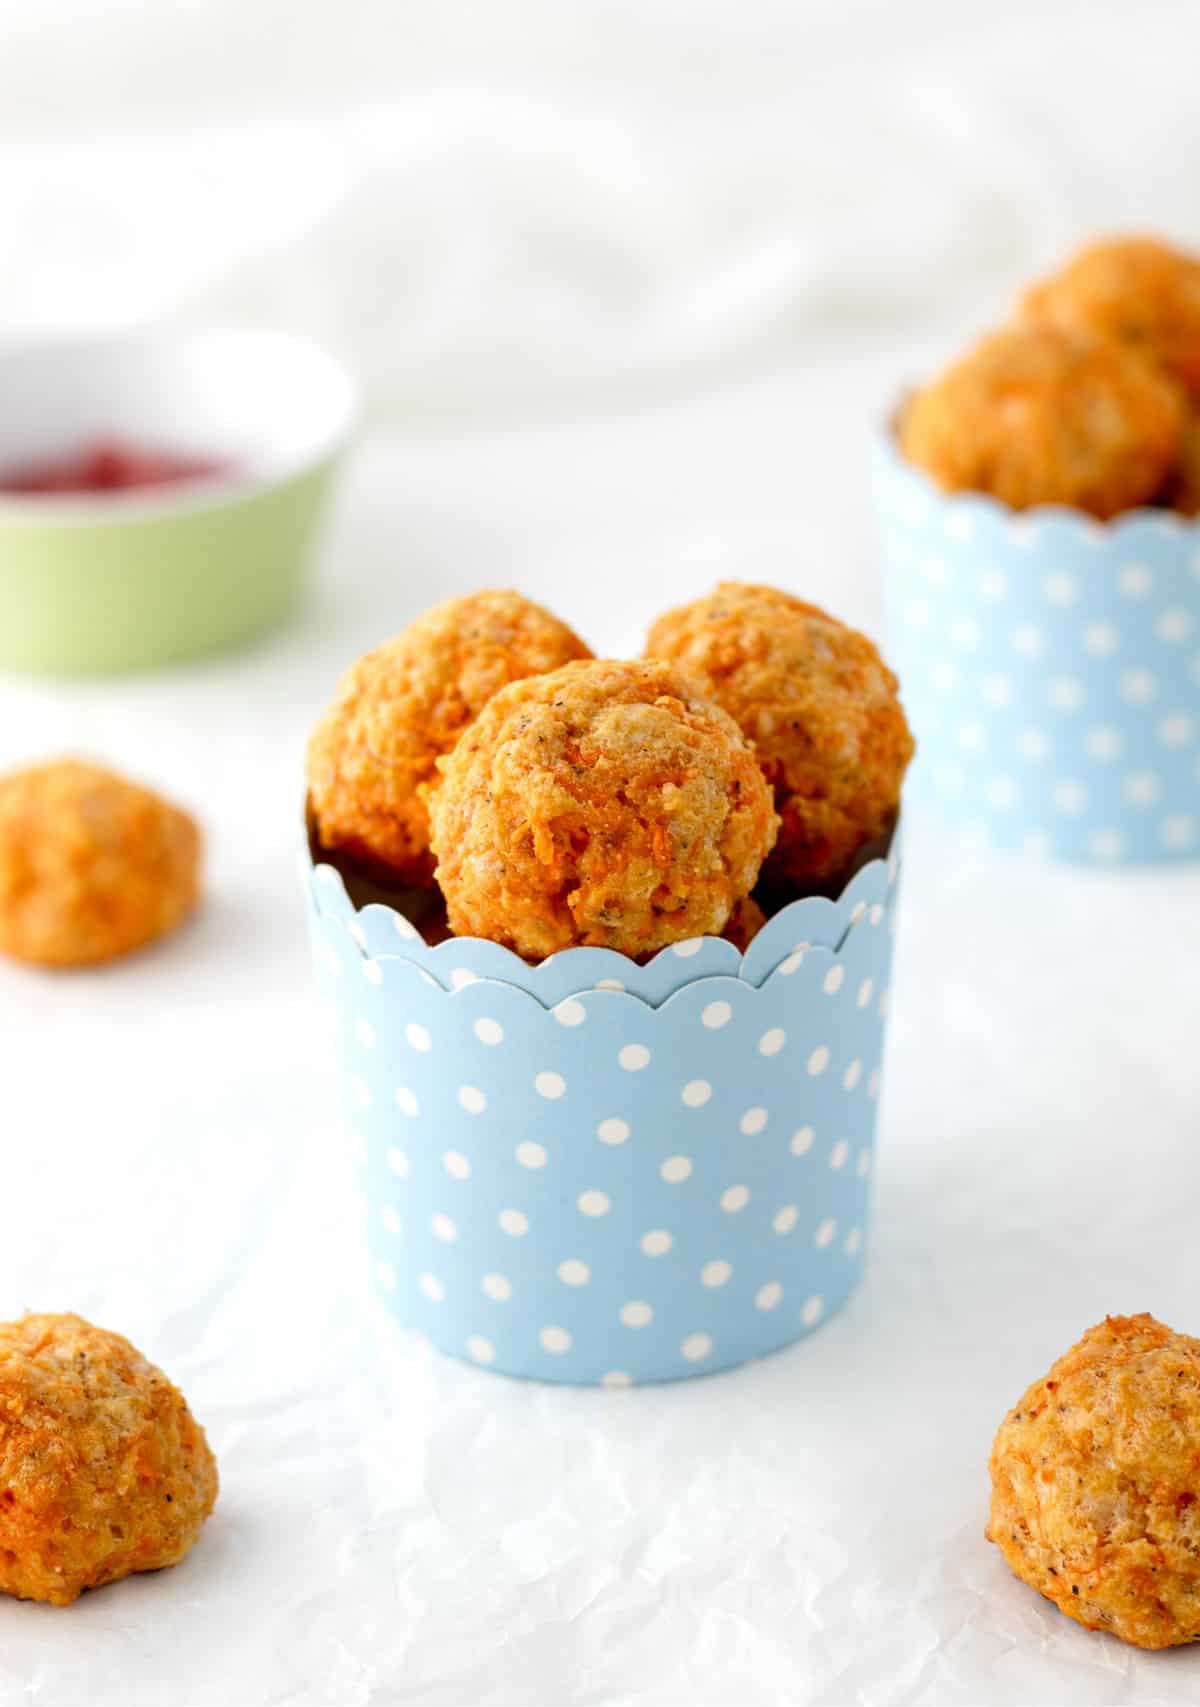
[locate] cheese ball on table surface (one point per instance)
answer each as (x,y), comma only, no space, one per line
(400,707)
(1135,290)
(103,1470)
(820,707)
(1096,1483)
(606,804)
(91,866)
(1038,415)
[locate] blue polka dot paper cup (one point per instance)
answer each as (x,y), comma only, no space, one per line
(1051,668)
(592,1171)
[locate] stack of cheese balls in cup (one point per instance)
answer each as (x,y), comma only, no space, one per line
(1088,398)
(754,754)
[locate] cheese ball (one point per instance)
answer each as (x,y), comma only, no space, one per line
(1036,414)
(604,804)
(1136,291)
(1096,1483)
(103,1469)
(91,866)
(820,707)
(400,707)
(1183,489)
(745,922)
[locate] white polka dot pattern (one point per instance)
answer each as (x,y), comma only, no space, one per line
(589,1184)
(613,1131)
(1073,724)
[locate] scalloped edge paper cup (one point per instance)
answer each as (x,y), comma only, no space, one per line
(591,1171)
(1051,668)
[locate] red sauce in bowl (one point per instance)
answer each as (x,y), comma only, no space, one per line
(110,465)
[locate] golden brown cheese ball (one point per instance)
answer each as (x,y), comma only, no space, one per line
(745,922)
(1183,490)
(1135,290)
(604,804)
(819,705)
(1035,414)
(91,866)
(400,707)
(103,1469)
(1096,1483)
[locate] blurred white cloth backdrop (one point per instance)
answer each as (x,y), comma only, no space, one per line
(484,204)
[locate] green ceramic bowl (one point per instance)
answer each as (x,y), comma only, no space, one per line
(119,581)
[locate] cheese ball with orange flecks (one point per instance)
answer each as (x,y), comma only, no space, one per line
(1036,414)
(820,707)
(403,705)
(1096,1483)
(1182,492)
(103,1469)
(745,922)
(1136,291)
(91,866)
(605,804)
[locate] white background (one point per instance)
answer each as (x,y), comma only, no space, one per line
(626,285)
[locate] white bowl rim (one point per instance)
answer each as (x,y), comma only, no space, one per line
(205,493)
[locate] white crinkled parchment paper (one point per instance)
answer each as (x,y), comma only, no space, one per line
(393,1528)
